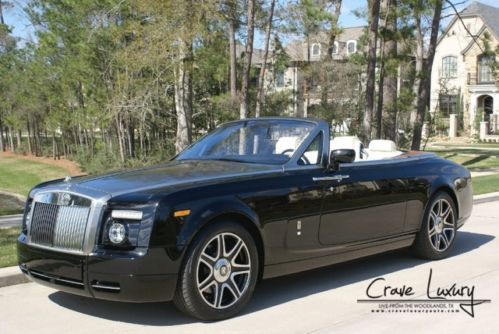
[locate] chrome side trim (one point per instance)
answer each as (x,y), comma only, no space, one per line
(338,178)
(106,287)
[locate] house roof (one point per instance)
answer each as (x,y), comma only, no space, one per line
(489,15)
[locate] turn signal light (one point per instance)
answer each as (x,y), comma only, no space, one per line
(181,213)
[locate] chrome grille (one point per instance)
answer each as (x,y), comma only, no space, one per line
(59,224)
(43,223)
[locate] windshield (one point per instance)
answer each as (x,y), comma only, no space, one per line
(254,141)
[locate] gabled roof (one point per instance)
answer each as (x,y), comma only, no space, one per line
(489,15)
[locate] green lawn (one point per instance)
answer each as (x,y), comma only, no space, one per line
(474,160)
(19,176)
(485,184)
(8,237)
(10,205)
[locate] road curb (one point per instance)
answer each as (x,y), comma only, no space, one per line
(485,198)
(12,276)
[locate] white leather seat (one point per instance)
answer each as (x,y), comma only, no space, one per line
(382,149)
(286,143)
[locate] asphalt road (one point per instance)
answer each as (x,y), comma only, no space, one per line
(318,301)
(10,221)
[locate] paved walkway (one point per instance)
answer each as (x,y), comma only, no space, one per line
(318,301)
(10,221)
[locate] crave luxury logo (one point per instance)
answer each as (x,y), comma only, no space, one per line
(405,299)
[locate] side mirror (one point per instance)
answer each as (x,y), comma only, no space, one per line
(343,155)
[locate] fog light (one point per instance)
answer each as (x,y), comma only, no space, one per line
(117,233)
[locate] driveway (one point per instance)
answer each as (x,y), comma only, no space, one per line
(318,301)
(11,221)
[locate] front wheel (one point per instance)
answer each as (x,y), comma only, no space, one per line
(438,229)
(220,272)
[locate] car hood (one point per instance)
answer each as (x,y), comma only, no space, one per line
(175,173)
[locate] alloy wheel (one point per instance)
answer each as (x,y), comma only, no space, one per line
(223,270)
(441,225)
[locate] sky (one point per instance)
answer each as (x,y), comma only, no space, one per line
(22,29)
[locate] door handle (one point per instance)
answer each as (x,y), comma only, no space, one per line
(338,178)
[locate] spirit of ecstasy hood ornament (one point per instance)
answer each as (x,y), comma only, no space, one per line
(67,180)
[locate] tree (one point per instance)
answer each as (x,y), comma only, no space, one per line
(374,6)
(260,94)
(248,53)
(425,75)
(391,73)
(334,29)
(230,10)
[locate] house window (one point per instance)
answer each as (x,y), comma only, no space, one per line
(316,50)
(485,72)
(279,79)
(335,48)
(351,47)
(448,104)
(449,67)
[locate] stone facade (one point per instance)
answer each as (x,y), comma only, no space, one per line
(457,76)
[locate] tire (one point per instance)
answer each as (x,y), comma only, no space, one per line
(216,285)
(438,231)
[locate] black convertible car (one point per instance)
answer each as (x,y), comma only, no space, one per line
(253,199)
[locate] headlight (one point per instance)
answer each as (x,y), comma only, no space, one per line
(127,214)
(26,216)
(117,233)
(121,233)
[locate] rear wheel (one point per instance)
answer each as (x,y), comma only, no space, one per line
(438,229)
(220,272)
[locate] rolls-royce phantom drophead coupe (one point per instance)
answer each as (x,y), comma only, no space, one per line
(254,199)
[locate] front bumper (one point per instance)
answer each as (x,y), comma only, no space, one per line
(148,275)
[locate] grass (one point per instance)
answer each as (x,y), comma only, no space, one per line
(19,176)
(485,184)
(477,145)
(10,205)
(475,161)
(8,254)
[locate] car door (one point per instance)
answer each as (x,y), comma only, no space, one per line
(362,201)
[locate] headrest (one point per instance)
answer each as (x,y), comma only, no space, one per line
(286,143)
(351,142)
(382,145)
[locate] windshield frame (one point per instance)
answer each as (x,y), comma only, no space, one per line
(292,163)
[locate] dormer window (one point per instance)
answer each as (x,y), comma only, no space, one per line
(335,48)
(351,47)
(449,67)
(316,50)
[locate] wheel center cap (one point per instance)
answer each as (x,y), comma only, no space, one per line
(439,225)
(222,270)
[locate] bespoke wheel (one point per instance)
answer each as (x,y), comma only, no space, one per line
(223,270)
(219,274)
(438,229)
(441,225)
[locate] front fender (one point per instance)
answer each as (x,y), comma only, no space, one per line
(205,211)
(459,188)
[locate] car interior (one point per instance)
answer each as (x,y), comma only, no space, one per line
(378,149)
